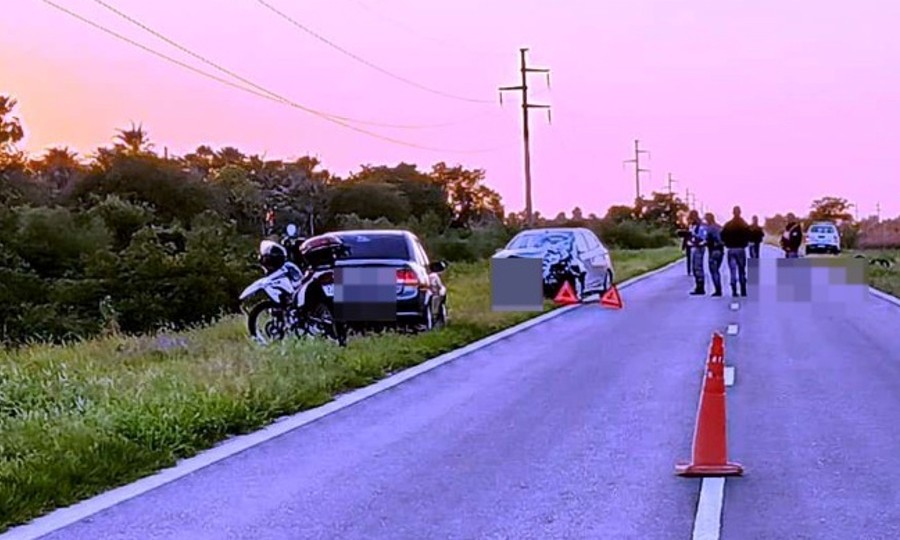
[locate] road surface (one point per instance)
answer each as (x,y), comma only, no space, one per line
(571,429)
(814,417)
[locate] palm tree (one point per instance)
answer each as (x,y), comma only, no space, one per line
(58,167)
(133,142)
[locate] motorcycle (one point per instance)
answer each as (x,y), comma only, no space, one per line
(298,297)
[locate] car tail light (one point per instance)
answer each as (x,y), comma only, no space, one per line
(405,276)
(327,278)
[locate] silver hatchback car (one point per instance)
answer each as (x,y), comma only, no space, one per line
(575,254)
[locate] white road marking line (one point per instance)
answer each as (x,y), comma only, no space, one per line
(735,306)
(732,330)
(708,521)
(729,375)
(64,517)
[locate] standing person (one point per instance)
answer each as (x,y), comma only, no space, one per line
(696,246)
(756,237)
(792,237)
(716,252)
(736,236)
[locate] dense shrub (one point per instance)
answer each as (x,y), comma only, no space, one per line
(633,235)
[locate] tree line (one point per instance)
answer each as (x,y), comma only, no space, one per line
(128,240)
(870,232)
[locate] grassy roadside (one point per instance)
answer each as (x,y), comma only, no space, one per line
(883,278)
(82,419)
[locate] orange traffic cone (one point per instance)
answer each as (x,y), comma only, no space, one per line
(716,358)
(710,447)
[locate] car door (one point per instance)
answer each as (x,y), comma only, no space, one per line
(599,258)
(586,254)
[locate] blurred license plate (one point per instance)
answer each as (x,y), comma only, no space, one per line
(329,289)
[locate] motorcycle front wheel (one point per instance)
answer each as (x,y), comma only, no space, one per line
(266,331)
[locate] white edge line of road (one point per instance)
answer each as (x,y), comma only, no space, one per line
(64,517)
(708,521)
(885,296)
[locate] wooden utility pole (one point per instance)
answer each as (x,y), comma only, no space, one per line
(637,169)
(523,88)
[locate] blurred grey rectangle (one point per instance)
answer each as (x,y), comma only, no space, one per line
(517,285)
(366,294)
(815,280)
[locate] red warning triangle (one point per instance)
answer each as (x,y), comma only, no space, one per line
(611,298)
(566,295)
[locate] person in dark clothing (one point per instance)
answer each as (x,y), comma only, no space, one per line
(792,237)
(756,237)
(697,246)
(736,237)
(716,252)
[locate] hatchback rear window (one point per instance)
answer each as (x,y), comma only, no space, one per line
(823,229)
(376,246)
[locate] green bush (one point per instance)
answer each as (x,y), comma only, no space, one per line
(633,235)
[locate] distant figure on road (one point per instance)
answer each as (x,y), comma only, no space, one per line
(736,237)
(756,237)
(792,237)
(716,252)
(696,247)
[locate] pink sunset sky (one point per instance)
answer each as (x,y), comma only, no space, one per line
(765,103)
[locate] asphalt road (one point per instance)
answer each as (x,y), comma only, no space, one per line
(814,417)
(571,429)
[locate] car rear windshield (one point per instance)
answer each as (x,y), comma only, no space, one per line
(540,240)
(376,246)
(823,229)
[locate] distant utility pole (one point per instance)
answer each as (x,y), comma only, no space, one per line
(880,226)
(523,87)
(688,198)
(669,183)
(637,168)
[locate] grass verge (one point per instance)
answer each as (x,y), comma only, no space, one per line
(78,420)
(884,278)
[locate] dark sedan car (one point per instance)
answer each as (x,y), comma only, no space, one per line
(421,297)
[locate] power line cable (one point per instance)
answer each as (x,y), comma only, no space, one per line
(411,29)
(363,61)
(244,80)
(269,96)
